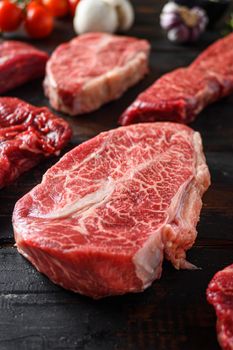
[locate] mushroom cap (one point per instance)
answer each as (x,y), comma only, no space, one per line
(125,13)
(95,16)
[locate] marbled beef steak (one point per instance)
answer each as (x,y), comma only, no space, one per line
(180,95)
(20,63)
(93,69)
(104,217)
(27,135)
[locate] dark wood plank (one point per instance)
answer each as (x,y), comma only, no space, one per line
(171,315)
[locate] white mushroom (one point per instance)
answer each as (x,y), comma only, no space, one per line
(103,16)
(125,13)
(95,16)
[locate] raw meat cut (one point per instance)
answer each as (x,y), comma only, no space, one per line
(180,95)
(116,205)
(93,69)
(20,63)
(220,294)
(27,135)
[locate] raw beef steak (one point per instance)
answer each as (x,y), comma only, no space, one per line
(220,294)
(27,134)
(180,95)
(116,205)
(93,69)
(19,63)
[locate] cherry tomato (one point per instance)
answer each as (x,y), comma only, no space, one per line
(34,3)
(72,6)
(58,8)
(10,16)
(39,22)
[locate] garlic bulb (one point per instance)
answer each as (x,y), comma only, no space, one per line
(181,23)
(103,16)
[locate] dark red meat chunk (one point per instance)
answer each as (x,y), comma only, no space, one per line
(220,294)
(180,95)
(20,63)
(27,134)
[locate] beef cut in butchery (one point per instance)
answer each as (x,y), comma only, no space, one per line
(220,294)
(20,63)
(27,135)
(181,94)
(93,69)
(107,213)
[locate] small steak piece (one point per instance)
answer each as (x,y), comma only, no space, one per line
(107,213)
(180,95)
(220,294)
(93,69)
(20,63)
(27,135)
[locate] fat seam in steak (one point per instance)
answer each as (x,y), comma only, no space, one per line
(116,205)
(220,294)
(180,95)
(93,69)
(20,63)
(27,135)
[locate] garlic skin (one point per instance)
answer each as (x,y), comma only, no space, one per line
(95,16)
(103,16)
(181,23)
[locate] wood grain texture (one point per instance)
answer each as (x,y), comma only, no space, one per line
(171,315)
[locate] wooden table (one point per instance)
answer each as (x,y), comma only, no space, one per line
(171,315)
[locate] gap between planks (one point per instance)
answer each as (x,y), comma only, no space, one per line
(9,243)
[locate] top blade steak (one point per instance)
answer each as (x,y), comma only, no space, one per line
(181,94)
(116,205)
(93,69)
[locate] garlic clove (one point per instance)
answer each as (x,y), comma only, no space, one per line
(125,13)
(179,34)
(194,34)
(169,20)
(170,7)
(95,16)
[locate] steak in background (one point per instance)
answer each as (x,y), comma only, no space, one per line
(27,135)
(93,69)
(180,95)
(104,217)
(20,63)
(220,294)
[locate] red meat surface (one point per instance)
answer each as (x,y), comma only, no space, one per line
(180,95)
(105,216)
(27,135)
(220,295)
(93,69)
(20,63)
